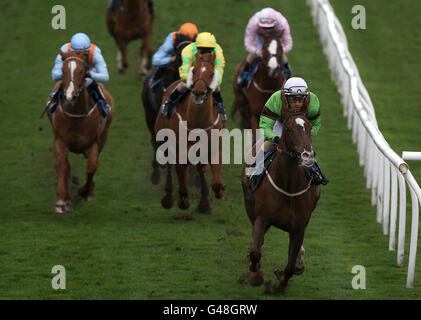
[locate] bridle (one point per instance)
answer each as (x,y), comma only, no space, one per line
(71,115)
(294,154)
(208,89)
(265,62)
(85,66)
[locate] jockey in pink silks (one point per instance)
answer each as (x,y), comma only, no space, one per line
(266,18)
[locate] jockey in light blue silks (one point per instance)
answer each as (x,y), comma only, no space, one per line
(97,71)
(166,54)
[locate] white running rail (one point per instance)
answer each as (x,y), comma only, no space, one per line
(386,172)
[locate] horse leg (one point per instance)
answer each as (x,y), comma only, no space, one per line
(155,176)
(183,202)
(204,204)
(255,254)
(167,201)
(122,56)
(87,191)
(299,264)
(296,238)
(145,56)
(217,183)
(63,203)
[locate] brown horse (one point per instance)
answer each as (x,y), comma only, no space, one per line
(152,99)
(77,127)
(285,199)
(196,111)
(131,21)
(267,79)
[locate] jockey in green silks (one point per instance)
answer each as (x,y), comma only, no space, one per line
(296,97)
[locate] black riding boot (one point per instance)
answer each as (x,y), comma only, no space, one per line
(114,5)
(104,107)
(220,103)
(168,106)
(156,76)
(244,77)
(55,98)
(287,71)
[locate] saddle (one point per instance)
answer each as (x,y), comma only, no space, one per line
(256,179)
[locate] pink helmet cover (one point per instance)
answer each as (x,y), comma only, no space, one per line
(267,18)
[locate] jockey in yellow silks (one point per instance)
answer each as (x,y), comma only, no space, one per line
(205,42)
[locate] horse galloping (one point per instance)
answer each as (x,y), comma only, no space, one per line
(196,111)
(132,20)
(77,127)
(152,100)
(267,79)
(285,199)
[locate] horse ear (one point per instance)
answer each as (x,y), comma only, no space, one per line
(64,55)
(81,54)
(262,32)
(280,33)
(285,112)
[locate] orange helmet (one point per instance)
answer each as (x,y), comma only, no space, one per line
(188,29)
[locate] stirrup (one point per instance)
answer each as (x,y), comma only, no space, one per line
(167,108)
(104,108)
(221,111)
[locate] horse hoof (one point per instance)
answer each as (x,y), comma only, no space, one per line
(59,209)
(90,198)
(281,278)
(183,203)
(256,279)
(299,270)
(63,207)
(167,202)
(218,190)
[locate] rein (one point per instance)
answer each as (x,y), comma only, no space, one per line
(262,90)
(285,192)
(206,129)
(78,116)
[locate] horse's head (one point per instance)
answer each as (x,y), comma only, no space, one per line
(203,78)
(297,139)
(272,51)
(74,71)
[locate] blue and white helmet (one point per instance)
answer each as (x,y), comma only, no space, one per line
(80,41)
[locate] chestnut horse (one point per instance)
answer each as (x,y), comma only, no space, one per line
(267,79)
(131,21)
(285,199)
(77,127)
(196,111)
(152,100)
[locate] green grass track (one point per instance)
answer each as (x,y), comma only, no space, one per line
(125,245)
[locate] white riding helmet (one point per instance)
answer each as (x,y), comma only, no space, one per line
(295,86)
